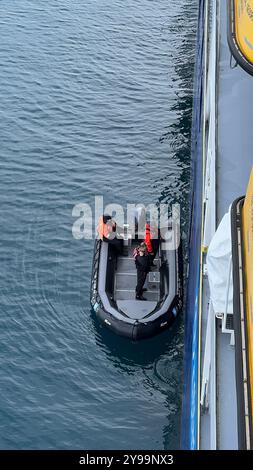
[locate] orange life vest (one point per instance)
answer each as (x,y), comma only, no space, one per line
(149,234)
(102,229)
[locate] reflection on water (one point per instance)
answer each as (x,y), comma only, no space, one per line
(156,362)
(96,100)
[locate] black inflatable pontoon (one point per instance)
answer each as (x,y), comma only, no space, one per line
(113,290)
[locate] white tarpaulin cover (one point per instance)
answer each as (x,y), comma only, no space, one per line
(218,260)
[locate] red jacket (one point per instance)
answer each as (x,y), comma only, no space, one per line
(102,229)
(148,238)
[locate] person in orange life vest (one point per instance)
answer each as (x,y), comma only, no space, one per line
(152,242)
(108,232)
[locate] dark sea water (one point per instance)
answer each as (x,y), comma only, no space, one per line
(95,99)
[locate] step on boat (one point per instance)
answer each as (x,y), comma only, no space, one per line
(113,283)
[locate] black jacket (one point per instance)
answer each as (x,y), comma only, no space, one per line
(142,263)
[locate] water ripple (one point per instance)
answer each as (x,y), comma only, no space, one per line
(95,99)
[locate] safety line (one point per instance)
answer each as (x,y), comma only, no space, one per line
(202,221)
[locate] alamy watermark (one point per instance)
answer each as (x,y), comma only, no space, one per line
(131,221)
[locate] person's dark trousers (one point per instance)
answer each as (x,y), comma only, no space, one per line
(141,278)
(151,259)
(155,244)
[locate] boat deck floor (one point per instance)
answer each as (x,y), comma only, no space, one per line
(125,284)
(126,279)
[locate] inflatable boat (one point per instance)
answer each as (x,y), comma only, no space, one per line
(113,288)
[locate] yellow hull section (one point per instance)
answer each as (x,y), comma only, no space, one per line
(248,272)
(243,11)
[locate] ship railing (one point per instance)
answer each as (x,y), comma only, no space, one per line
(208,377)
(227,318)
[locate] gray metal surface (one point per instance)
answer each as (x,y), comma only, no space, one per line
(234,161)
(226,402)
(235,107)
(235,110)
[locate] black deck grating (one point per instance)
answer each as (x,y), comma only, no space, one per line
(230,321)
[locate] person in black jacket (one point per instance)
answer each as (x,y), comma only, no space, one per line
(143,267)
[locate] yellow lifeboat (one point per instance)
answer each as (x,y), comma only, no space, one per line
(242,255)
(247,219)
(240,32)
